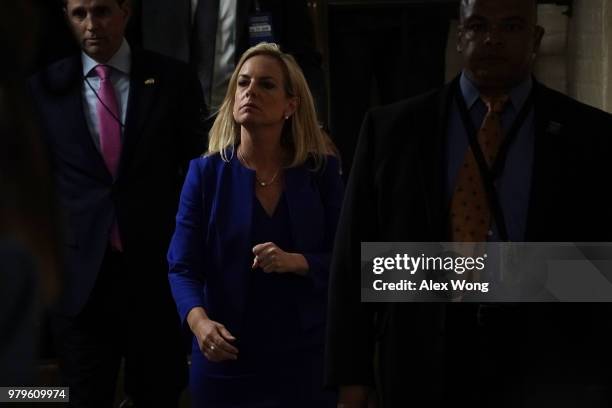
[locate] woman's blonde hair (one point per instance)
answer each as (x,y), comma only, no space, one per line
(302,136)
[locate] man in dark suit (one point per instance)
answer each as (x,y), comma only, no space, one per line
(120,125)
(407,173)
(189,33)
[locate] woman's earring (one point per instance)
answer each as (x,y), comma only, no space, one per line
(286,117)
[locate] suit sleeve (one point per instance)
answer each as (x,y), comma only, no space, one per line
(331,189)
(185,261)
(350,327)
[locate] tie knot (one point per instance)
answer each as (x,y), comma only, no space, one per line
(103,71)
(495,104)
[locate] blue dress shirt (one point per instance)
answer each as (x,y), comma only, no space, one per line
(514,183)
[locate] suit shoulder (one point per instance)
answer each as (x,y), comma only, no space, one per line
(57,75)
(160,61)
(390,122)
(425,103)
(57,67)
(175,72)
(392,129)
(570,108)
(208,163)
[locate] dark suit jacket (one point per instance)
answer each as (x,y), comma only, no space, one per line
(166,29)
(161,135)
(210,256)
(396,193)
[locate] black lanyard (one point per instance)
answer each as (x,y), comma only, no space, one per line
(489,175)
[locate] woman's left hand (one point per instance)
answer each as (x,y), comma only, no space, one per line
(270,258)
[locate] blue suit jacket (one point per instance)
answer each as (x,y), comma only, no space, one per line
(163,131)
(210,254)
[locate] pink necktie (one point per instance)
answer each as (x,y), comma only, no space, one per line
(107,110)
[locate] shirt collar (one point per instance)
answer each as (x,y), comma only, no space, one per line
(517,95)
(121,61)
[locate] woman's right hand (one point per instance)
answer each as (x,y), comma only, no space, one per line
(213,338)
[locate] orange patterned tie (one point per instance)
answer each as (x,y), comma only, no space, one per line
(470,212)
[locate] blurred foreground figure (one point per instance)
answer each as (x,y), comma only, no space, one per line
(28,249)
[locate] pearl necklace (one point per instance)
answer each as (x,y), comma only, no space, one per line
(260,182)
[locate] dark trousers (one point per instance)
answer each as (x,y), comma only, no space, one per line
(122,319)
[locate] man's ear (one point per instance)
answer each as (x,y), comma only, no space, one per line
(538,34)
(126,7)
(67,20)
(459,38)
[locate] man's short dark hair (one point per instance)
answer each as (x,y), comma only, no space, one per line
(65,2)
(464,3)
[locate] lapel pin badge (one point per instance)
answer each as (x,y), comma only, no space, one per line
(150,81)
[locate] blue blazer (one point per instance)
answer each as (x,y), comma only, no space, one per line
(210,254)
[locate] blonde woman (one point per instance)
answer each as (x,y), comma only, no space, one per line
(250,255)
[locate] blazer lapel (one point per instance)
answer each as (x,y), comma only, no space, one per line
(233,219)
(546,165)
(432,166)
(69,82)
(237,210)
(144,83)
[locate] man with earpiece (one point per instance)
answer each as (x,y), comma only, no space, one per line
(120,125)
(492,156)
